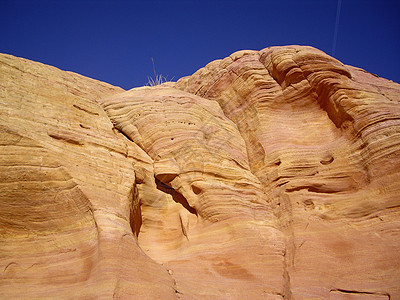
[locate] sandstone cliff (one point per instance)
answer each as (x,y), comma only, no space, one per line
(265,175)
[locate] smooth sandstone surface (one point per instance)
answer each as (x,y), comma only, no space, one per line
(266,175)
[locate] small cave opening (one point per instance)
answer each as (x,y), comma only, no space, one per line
(196,189)
(327,160)
(176,196)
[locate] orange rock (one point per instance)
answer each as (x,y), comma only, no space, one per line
(265,175)
(323,139)
(66,189)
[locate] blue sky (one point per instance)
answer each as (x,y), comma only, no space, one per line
(114,41)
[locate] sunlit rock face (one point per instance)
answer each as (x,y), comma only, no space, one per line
(265,175)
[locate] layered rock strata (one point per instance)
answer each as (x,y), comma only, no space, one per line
(265,175)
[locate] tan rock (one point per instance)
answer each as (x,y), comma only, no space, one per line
(265,175)
(67,182)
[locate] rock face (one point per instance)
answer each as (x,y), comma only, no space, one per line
(265,175)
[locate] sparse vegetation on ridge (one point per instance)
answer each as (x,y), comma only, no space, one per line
(158,79)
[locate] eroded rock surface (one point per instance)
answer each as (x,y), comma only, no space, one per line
(265,175)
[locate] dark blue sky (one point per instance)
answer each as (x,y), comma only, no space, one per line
(114,41)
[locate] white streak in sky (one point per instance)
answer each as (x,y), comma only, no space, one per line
(336,27)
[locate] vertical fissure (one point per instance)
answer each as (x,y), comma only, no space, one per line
(135,211)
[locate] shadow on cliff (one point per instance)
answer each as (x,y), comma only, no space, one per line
(178,197)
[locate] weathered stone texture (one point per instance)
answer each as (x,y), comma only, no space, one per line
(265,175)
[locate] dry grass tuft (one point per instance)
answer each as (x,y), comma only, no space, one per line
(158,79)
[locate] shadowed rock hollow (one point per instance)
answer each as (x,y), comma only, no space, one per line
(266,175)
